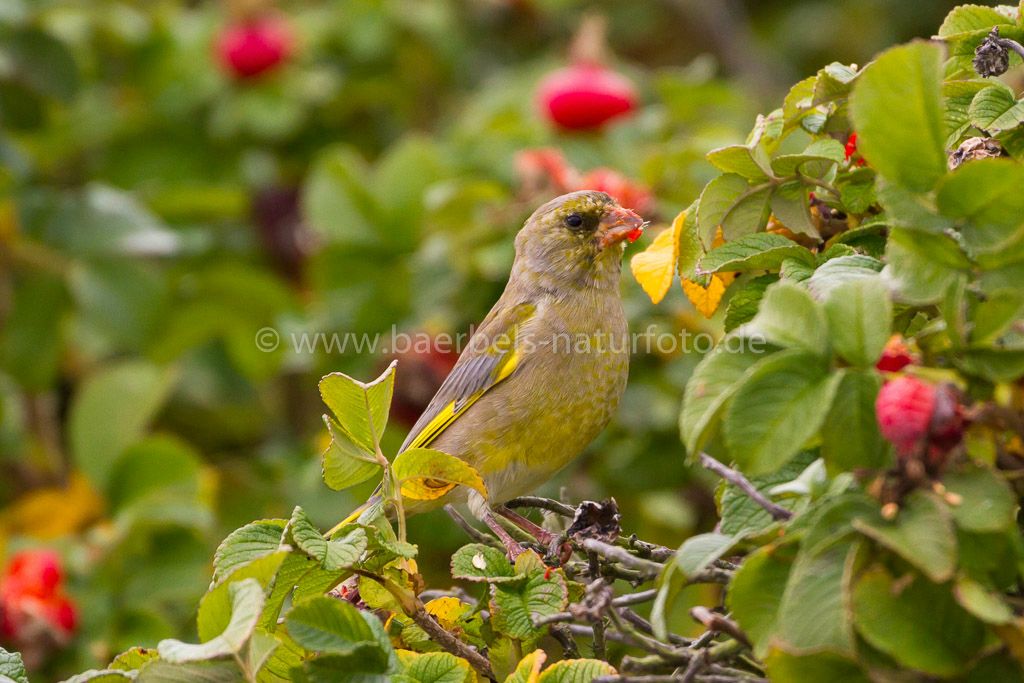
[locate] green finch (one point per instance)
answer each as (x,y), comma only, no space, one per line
(543,373)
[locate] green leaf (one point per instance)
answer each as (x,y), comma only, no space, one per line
(790,204)
(731,203)
(996,315)
(814,161)
(479,562)
(839,270)
(97,676)
(761,251)
(755,593)
(834,82)
(111,411)
(332,626)
(133,658)
(785,667)
(159,671)
(42,62)
(985,191)
(919,625)
(917,277)
(340,553)
(698,552)
(970,18)
(436,667)
(514,605)
(749,162)
(987,503)
(981,602)
(780,406)
(576,671)
(922,534)
(242,546)
(958,96)
(426,474)
(996,109)
(360,409)
(246,604)
(337,201)
(859,316)
(741,515)
(344,463)
(710,387)
(814,613)
(12,668)
(850,439)
(31,341)
(897,111)
(215,607)
(790,318)
(745,300)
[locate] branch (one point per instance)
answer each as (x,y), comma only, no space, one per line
(450,643)
(616,554)
(777,512)
(548,504)
(472,531)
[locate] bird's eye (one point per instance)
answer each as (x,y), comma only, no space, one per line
(574,220)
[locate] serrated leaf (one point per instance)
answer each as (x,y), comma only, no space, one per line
(780,405)
(969,18)
(705,299)
(528,668)
(922,534)
(514,605)
(427,474)
(814,612)
(133,658)
(756,590)
(820,154)
(359,408)
(749,162)
(12,667)
(245,544)
(896,109)
(479,562)
(159,671)
(328,625)
(788,667)
(741,515)
(859,315)
(996,109)
(761,251)
(215,607)
(247,601)
(745,301)
(850,439)
(985,191)
(790,318)
(919,625)
(97,676)
(332,555)
(344,463)
(576,671)
(711,385)
(435,667)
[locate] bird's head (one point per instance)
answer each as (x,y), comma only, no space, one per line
(577,240)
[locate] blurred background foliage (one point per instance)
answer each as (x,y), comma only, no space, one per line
(156,213)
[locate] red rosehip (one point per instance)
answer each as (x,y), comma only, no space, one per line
(585,96)
(249,49)
(904,410)
(61,613)
(33,572)
(851,150)
(896,355)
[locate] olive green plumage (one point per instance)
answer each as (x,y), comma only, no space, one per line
(549,363)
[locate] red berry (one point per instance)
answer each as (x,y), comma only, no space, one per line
(896,355)
(904,409)
(851,150)
(255,47)
(585,96)
(33,572)
(61,613)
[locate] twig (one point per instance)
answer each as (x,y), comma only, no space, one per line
(645,626)
(732,476)
(563,634)
(649,551)
(450,643)
(720,623)
(598,646)
(621,601)
(581,630)
(471,531)
(622,556)
(548,504)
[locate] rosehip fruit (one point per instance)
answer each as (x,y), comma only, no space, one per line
(896,355)
(585,96)
(252,48)
(904,410)
(33,572)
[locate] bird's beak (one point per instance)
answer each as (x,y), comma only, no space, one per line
(619,224)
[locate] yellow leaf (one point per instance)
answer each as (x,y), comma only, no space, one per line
(448,610)
(655,266)
(528,669)
(705,300)
(426,474)
(53,511)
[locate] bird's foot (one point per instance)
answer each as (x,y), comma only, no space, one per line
(543,536)
(512,547)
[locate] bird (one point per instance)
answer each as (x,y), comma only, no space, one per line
(543,373)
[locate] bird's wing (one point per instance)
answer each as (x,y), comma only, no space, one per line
(492,356)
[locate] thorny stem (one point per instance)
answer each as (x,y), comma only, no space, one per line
(598,626)
(732,476)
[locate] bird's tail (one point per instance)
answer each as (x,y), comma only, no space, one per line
(371,502)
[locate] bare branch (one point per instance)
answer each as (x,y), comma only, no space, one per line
(733,477)
(450,643)
(548,504)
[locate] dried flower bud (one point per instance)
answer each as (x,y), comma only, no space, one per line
(975,148)
(991,58)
